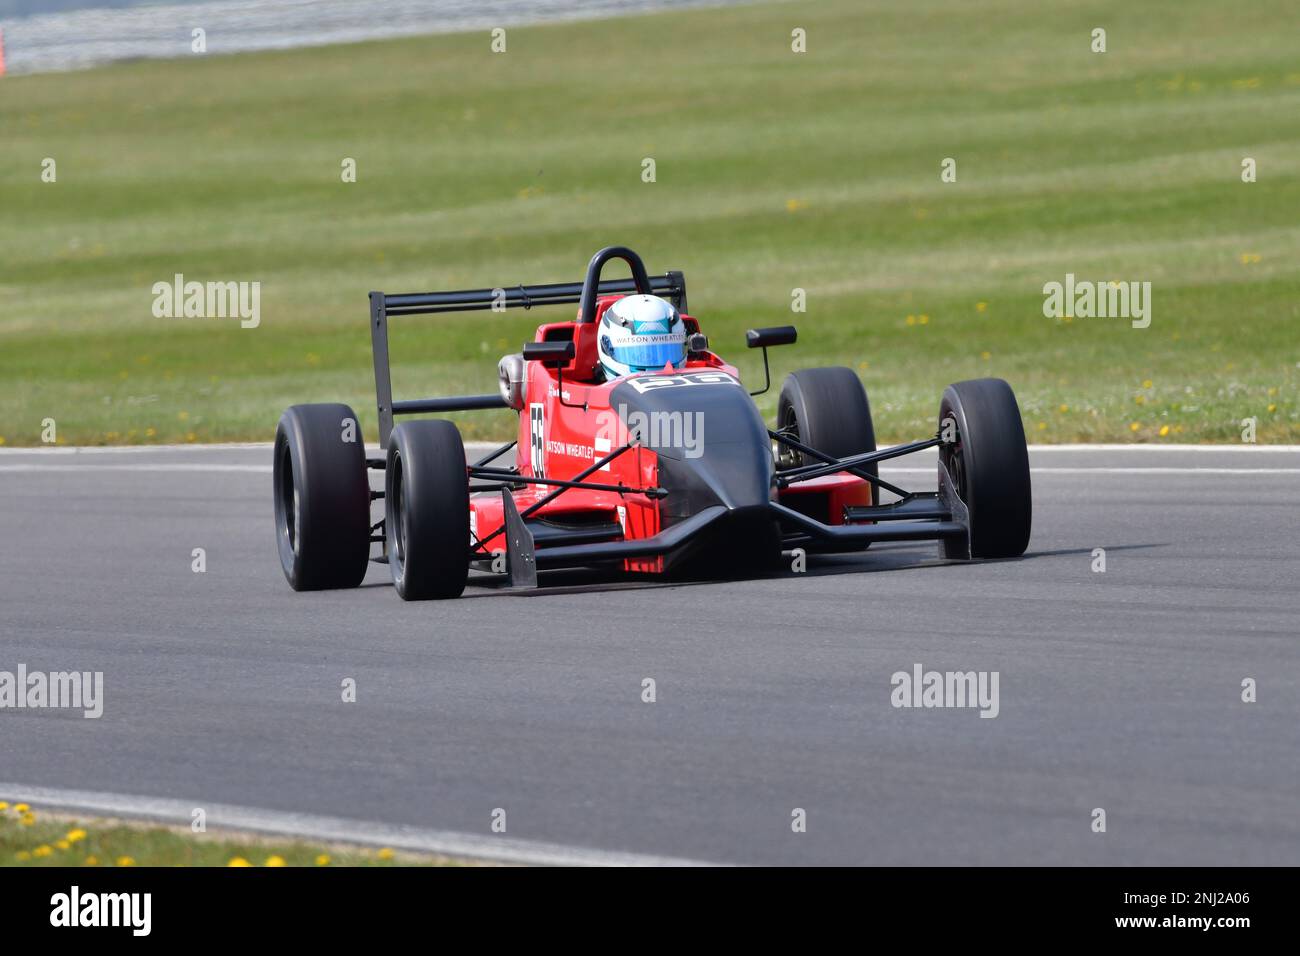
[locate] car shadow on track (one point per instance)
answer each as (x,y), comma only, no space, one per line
(888,557)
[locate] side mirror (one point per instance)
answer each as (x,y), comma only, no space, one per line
(550,354)
(554,355)
(776,335)
(762,339)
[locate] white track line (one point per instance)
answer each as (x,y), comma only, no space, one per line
(478,448)
(1136,446)
(158,466)
(1192,471)
(485,446)
(332,829)
(77,450)
(266,470)
(129,449)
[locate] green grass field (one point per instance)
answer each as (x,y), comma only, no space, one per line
(30,837)
(775,170)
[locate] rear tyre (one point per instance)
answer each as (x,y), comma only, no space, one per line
(989,466)
(826,409)
(322,497)
(426,502)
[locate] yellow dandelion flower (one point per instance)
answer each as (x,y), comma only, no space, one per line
(1140,399)
(323,860)
(1146,383)
(125,861)
(986,355)
(923,319)
(190,436)
(63,845)
(1042,426)
(42,850)
(238,861)
(386,853)
(75,836)
(92,861)
(1134,427)
(2,439)
(1063,409)
(1164,430)
(275,860)
(22,855)
(981,306)
(27,819)
(4,805)
(911,320)
(794,205)
(150,432)
(21,808)
(1272,408)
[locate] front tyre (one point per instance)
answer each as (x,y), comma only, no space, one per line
(825,409)
(426,501)
(322,497)
(988,462)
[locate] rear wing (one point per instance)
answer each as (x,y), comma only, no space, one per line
(670,285)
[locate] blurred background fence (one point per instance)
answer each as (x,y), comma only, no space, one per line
(50,35)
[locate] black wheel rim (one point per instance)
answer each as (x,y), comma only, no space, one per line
(959,471)
(954,460)
(289,510)
(397,519)
(788,425)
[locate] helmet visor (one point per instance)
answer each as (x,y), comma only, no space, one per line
(649,351)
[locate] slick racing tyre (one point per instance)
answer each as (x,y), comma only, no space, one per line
(426,502)
(989,466)
(322,497)
(826,409)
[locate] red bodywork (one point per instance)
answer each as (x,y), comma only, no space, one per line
(560,440)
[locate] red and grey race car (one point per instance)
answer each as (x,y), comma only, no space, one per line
(664,471)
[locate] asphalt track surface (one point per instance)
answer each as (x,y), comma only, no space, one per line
(1118,690)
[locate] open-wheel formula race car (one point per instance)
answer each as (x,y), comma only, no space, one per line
(666,469)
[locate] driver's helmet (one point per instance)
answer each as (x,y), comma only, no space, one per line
(640,333)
